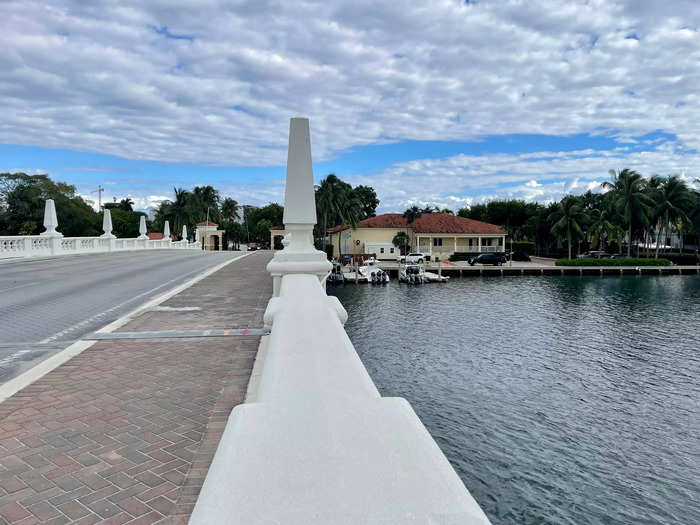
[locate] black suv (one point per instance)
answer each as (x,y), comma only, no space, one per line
(488,258)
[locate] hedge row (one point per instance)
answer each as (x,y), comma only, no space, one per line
(631,261)
(522,246)
(682,260)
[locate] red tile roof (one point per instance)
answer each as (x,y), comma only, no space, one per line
(428,223)
(207,223)
(156,236)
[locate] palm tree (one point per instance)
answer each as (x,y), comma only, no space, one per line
(601,224)
(411,215)
(336,204)
(126,204)
(568,220)
(672,200)
(631,202)
(181,209)
(229,209)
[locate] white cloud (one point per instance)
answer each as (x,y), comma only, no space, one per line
(462,179)
(215,81)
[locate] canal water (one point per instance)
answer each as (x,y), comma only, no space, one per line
(569,400)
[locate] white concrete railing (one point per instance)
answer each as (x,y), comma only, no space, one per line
(320,445)
(52,242)
(40,245)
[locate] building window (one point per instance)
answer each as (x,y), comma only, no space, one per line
(381,250)
(391,250)
(437,241)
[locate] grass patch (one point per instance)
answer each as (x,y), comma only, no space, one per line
(630,261)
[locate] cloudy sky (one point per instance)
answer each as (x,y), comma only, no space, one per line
(429,101)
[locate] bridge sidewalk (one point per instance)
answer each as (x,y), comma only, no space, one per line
(125,431)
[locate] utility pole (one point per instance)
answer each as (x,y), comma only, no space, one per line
(99,191)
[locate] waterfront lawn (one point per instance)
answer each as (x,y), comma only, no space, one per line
(627,261)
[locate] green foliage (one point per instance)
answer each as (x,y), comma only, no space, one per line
(400,240)
(22,201)
(368,200)
(414,213)
(627,261)
(630,200)
(568,221)
(235,231)
(517,217)
(337,204)
(689,259)
(259,221)
(230,209)
(125,224)
(522,246)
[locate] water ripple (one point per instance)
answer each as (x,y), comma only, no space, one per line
(557,400)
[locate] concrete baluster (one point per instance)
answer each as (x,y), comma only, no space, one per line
(300,256)
(166,232)
(184,235)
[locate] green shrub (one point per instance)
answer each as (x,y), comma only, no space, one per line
(522,246)
(630,261)
(682,260)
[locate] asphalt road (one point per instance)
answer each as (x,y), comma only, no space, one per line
(46,304)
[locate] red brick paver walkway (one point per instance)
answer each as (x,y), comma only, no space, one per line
(125,432)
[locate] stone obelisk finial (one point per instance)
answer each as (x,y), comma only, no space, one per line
(50,220)
(142,228)
(300,255)
(107,224)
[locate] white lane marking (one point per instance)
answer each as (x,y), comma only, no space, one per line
(175,309)
(25,379)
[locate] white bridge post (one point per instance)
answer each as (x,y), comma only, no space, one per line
(166,232)
(142,232)
(51,223)
(300,256)
(107,228)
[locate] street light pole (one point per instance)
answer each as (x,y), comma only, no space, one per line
(206,225)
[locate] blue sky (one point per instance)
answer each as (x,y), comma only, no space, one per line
(443,102)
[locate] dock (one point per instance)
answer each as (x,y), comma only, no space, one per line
(519,269)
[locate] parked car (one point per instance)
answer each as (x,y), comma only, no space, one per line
(594,254)
(412,258)
(495,259)
(252,247)
(520,256)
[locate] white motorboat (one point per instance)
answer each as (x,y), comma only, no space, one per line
(431,277)
(369,272)
(374,273)
(336,275)
(412,274)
